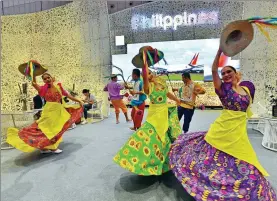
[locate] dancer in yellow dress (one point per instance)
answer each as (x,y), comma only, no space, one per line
(146,151)
(221,164)
(46,133)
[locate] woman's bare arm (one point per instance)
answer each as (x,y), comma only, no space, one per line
(35,85)
(145,75)
(172,97)
(216,79)
(74,99)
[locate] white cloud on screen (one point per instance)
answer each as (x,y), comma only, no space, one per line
(178,54)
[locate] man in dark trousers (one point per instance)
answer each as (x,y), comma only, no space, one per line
(39,102)
(188,93)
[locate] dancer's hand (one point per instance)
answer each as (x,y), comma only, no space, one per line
(174,89)
(178,102)
(197,91)
(132,93)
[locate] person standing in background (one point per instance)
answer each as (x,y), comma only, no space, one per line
(188,94)
(114,89)
(138,100)
(39,102)
(89,103)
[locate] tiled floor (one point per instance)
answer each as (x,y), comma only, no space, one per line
(85,170)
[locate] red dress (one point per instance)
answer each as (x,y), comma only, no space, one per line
(34,137)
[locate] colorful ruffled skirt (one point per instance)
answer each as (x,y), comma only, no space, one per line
(54,121)
(209,174)
(145,153)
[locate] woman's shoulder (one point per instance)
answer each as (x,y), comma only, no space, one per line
(226,85)
(247,84)
(250,86)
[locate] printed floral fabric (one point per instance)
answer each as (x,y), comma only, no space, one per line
(209,174)
(34,137)
(158,94)
(231,100)
(145,153)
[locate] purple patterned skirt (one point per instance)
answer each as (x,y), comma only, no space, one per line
(209,174)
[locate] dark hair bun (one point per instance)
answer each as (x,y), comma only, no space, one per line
(85,91)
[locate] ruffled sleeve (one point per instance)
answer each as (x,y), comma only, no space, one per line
(250,86)
(64,92)
(225,87)
(42,90)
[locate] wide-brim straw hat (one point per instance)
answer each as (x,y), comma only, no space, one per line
(156,55)
(235,37)
(113,75)
(39,69)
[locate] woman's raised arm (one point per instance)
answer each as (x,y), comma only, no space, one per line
(145,76)
(216,79)
(35,85)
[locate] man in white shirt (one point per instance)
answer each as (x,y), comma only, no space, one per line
(188,93)
(89,103)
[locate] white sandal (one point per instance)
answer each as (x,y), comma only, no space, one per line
(57,151)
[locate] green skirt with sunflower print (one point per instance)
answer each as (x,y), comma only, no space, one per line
(145,153)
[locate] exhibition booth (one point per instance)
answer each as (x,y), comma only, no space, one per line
(81,42)
(65,118)
(188,33)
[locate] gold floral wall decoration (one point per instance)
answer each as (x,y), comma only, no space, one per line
(69,40)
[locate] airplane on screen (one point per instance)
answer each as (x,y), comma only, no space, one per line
(159,70)
(191,67)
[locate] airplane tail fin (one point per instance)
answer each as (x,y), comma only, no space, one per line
(223,60)
(193,62)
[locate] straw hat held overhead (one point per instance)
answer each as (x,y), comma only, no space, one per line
(153,56)
(237,35)
(38,69)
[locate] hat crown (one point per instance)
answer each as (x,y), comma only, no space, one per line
(142,49)
(155,54)
(235,37)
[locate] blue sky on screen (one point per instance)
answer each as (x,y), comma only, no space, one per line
(178,55)
(181,52)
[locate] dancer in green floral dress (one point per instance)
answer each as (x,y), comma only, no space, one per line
(146,151)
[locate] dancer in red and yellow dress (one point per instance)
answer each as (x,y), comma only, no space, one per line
(46,133)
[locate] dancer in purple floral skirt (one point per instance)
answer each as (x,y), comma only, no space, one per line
(221,164)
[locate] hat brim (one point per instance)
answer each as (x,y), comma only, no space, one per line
(235,37)
(113,76)
(39,69)
(137,61)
